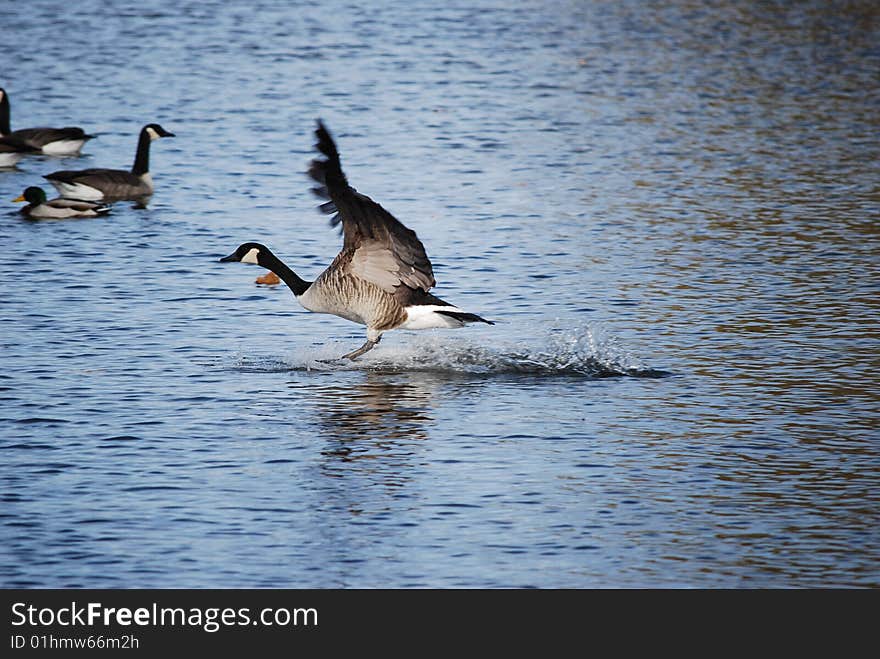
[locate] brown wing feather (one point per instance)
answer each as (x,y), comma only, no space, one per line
(367,226)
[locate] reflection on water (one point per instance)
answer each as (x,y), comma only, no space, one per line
(376,424)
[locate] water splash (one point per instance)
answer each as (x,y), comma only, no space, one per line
(585,352)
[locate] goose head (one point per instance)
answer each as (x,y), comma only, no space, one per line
(155,131)
(253,253)
(33,195)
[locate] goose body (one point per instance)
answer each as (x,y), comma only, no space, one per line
(39,208)
(97,184)
(382,275)
(67,141)
(11,151)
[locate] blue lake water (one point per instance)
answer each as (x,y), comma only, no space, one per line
(671,210)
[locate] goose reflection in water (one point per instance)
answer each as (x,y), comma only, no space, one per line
(381,420)
(376,428)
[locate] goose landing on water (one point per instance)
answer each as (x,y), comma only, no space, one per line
(65,141)
(112,184)
(382,275)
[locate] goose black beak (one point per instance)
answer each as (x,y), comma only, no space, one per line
(167,134)
(231,257)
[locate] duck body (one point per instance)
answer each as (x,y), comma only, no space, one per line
(382,275)
(67,141)
(40,208)
(98,184)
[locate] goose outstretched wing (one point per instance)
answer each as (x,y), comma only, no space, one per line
(382,249)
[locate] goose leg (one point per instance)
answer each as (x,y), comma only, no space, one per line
(364,348)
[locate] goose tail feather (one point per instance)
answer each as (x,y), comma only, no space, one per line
(463,316)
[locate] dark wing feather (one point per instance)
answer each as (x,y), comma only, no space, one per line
(95,177)
(364,222)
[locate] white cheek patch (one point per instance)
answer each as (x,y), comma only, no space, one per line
(251,256)
(152,133)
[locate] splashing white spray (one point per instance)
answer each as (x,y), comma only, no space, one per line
(587,351)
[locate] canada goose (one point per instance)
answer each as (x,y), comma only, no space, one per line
(11,151)
(65,141)
(382,275)
(113,184)
(41,209)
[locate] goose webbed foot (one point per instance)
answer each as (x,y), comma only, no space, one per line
(364,348)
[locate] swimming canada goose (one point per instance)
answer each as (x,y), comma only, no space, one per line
(382,275)
(65,141)
(41,209)
(113,184)
(11,151)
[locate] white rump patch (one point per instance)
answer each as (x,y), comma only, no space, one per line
(419,317)
(78,191)
(251,256)
(63,147)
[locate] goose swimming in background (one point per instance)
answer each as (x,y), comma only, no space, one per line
(11,151)
(113,184)
(382,276)
(39,208)
(65,141)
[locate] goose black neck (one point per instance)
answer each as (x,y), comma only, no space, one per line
(142,156)
(4,115)
(293,281)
